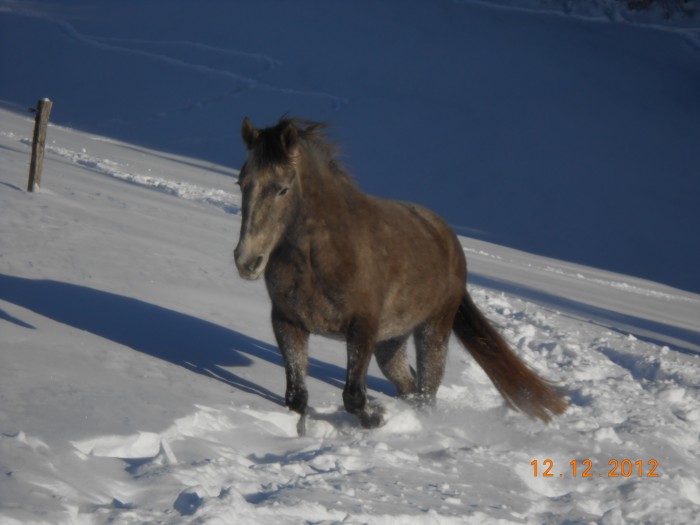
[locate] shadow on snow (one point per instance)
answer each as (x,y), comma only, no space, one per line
(195,344)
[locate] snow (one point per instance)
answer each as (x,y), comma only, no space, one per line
(507,117)
(140,382)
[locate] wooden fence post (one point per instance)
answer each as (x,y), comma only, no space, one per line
(41,122)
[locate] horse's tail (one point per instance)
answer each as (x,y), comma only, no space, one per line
(521,387)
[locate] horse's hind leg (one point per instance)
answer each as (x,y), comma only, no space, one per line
(393,362)
(431,340)
(292,342)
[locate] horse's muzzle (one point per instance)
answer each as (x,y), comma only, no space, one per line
(250,268)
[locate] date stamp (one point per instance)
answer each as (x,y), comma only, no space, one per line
(617,468)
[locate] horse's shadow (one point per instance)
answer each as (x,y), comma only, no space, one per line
(195,344)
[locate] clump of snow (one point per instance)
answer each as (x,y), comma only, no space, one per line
(140,445)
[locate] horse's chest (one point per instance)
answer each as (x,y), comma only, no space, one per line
(307,301)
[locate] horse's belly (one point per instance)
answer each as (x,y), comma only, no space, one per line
(407,307)
(392,325)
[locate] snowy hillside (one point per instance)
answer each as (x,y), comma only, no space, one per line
(564,128)
(139,381)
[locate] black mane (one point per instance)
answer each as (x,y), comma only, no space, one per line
(312,137)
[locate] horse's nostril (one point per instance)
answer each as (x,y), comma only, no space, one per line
(253,267)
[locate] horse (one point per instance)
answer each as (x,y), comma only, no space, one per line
(342,263)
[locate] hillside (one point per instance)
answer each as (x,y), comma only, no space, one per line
(139,378)
(565,129)
(140,382)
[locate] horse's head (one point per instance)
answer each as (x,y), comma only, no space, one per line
(271,192)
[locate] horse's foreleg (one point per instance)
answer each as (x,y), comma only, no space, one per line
(292,342)
(361,340)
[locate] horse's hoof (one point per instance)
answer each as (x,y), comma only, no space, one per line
(423,403)
(371,420)
(301,426)
(372,416)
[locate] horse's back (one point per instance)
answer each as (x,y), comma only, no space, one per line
(419,236)
(416,264)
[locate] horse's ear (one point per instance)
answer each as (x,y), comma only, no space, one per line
(249,133)
(290,137)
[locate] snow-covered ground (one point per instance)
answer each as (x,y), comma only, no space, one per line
(139,381)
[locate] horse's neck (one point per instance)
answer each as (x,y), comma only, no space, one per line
(327,190)
(331,202)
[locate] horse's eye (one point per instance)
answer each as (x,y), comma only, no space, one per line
(282,191)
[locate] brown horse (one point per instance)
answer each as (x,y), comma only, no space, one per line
(339,262)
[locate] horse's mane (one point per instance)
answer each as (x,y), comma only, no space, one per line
(311,136)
